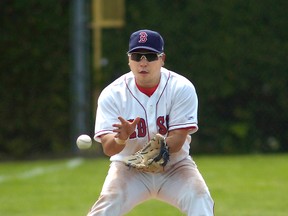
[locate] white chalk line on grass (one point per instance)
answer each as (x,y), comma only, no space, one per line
(71,164)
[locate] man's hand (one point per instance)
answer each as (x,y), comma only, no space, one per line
(125,128)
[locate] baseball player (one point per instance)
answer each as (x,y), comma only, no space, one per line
(150,101)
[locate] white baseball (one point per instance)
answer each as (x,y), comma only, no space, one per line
(84,141)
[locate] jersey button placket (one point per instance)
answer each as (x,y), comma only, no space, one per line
(150,109)
(151,117)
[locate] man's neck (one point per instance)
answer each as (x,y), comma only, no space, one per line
(148,91)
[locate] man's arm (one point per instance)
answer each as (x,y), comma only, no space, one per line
(176,139)
(113,144)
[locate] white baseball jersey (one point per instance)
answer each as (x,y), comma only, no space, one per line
(173,105)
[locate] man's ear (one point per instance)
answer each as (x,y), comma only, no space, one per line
(163,57)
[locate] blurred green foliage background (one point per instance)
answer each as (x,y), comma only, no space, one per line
(234,52)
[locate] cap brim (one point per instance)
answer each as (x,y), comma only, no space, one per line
(144,47)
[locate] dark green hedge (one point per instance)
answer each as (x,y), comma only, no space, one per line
(34,83)
(235,53)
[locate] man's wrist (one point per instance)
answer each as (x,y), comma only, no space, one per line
(120,141)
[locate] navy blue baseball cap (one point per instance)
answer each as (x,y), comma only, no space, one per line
(146,39)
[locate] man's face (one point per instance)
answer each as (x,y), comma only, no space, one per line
(146,66)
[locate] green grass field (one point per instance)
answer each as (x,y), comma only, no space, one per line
(240,185)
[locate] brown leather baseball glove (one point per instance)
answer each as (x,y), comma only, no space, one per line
(153,157)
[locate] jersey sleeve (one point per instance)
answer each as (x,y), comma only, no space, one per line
(106,115)
(184,110)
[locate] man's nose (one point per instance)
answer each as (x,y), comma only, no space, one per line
(143,59)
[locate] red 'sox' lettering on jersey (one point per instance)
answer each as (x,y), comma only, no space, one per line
(141,129)
(162,124)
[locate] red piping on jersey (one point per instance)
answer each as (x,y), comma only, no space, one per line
(161,96)
(156,102)
(102,132)
(186,128)
(147,91)
(185,124)
(140,105)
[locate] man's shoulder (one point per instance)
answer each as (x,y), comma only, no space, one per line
(176,78)
(120,81)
